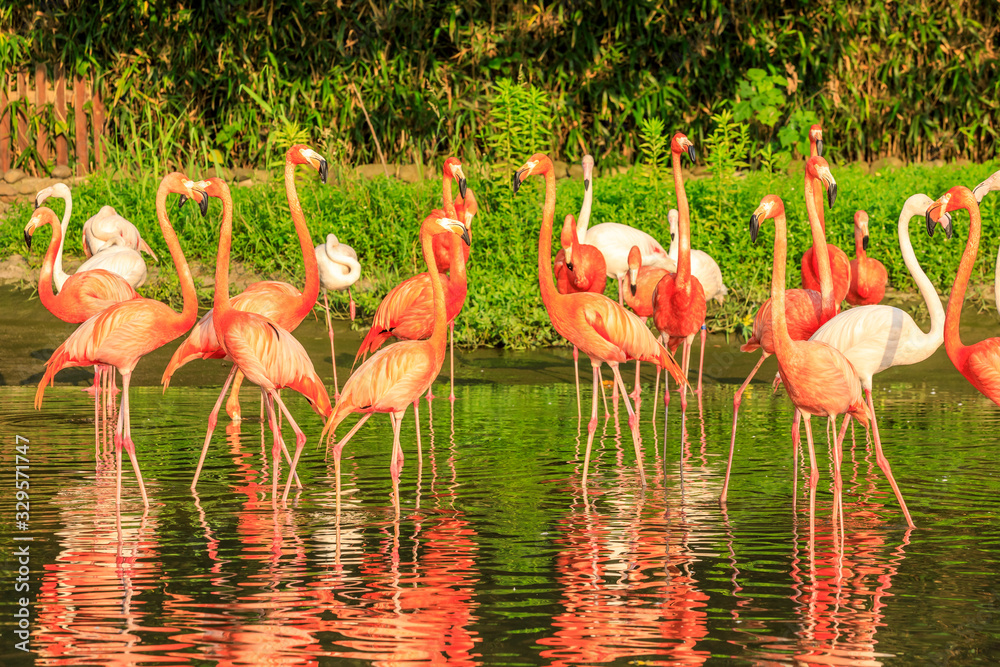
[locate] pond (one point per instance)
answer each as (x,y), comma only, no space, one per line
(499,555)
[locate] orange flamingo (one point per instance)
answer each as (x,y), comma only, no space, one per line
(602,329)
(642,282)
(819,379)
(264,351)
(868,276)
(277,301)
(452,171)
(840,265)
(122,334)
(579,267)
(980,362)
(407,311)
(398,375)
(679,299)
(806,310)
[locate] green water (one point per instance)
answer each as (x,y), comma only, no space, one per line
(499,555)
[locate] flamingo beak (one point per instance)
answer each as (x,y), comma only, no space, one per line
(949,229)
(819,147)
(864,242)
(518,180)
(27,239)
(324,169)
(586,184)
(929,218)
(754,226)
(831,192)
(203,203)
(462,184)
(691,152)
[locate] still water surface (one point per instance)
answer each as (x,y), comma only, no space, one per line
(499,556)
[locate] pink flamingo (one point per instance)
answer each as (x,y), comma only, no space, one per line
(277,301)
(679,300)
(123,333)
(602,329)
(980,362)
(806,310)
(642,282)
(868,276)
(840,266)
(398,375)
(265,352)
(452,171)
(819,379)
(579,268)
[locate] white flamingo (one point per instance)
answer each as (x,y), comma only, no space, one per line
(338,270)
(117,257)
(874,338)
(60,190)
(614,239)
(106,228)
(703,267)
(991,184)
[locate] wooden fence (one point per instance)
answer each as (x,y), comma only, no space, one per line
(25,98)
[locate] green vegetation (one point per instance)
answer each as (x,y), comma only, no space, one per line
(380,219)
(916,80)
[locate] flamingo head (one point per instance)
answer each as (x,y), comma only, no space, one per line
(436,223)
(681,144)
(673,219)
(770,206)
(538,165)
(60,190)
(567,239)
(634,264)
(991,184)
(817,167)
(861,226)
(453,169)
(937,213)
(588,171)
(180,184)
(816,134)
(302,154)
(41,216)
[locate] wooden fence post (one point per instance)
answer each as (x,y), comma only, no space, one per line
(22,116)
(41,143)
(4,123)
(97,122)
(80,125)
(62,151)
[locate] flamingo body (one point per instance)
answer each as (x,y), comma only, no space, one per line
(805,315)
(614,240)
(588,273)
(107,228)
(678,312)
(840,268)
(118,259)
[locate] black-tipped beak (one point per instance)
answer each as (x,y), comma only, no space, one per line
(864,242)
(27,239)
(831,194)
(324,170)
(633,287)
(819,147)
(37,203)
(462,185)
(754,227)
(930,220)
(182,201)
(586,184)
(203,203)
(949,229)
(691,153)
(516,183)
(466,237)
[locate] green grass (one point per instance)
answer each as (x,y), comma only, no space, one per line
(380,219)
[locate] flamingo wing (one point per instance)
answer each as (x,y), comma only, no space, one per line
(389,380)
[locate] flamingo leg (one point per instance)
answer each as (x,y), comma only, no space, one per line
(656,392)
(276,445)
(333,353)
(300,443)
(576,377)
(813,478)
(451,343)
(701,358)
(416,423)
(97,414)
(682,390)
(737,399)
(633,423)
(636,389)
(796,441)
(129,445)
(396,463)
(339,447)
(233,404)
(604,397)
(592,425)
(350,300)
(213,419)
(838,480)
(883,462)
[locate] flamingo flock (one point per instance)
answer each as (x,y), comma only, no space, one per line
(827,357)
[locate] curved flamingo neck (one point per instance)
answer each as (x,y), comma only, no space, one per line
(60,275)
(353,266)
(189,313)
(546,282)
(438,335)
(859,244)
(820,253)
(45,292)
(583,220)
(221,303)
(311,289)
(779,324)
(683,226)
(447,197)
(952,339)
(923,283)
(456,270)
(813,151)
